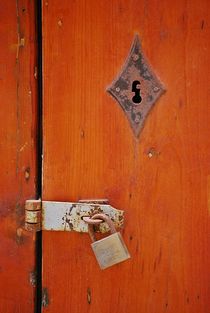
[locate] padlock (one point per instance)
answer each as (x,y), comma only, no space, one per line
(109,250)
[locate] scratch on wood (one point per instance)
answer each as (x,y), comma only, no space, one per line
(20,40)
(208,193)
(17,88)
(89,295)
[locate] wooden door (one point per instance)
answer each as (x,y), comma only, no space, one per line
(160,179)
(18,154)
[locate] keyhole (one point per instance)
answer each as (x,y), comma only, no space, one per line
(137,97)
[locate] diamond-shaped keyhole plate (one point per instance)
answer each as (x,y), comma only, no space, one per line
(136,88)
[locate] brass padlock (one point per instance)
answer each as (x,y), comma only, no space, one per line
(109,250)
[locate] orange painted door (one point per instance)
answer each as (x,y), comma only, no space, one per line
(160,179)
(18,154)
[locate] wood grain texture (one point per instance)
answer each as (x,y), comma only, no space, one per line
(17,154)
(160,180)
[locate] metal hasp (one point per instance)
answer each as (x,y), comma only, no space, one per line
(68,216)
(136,88)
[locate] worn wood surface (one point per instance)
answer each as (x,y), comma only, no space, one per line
(17,154)
(161,180)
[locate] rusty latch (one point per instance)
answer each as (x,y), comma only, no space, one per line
(68,216)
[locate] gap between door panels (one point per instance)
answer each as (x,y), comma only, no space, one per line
(38,297)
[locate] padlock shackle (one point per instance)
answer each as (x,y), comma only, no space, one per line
(104,218)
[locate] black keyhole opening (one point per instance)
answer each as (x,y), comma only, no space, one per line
(137,97)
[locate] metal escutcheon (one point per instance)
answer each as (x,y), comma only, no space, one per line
(111,249)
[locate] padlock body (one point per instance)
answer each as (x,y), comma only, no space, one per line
(110,250)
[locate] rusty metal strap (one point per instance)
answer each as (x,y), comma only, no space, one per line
(68,216)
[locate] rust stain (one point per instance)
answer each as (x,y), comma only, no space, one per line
(19,210)
(45,297)
(19,213)
(67,219)
(21,236)
(18,216)
(69,216)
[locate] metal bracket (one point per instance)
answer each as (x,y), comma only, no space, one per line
(136,88)
(68,216)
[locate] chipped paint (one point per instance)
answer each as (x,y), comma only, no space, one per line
(45,297)
(152,152)
(33,278)
(60,23)
(27,173)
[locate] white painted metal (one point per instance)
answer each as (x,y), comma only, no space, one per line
(67,216)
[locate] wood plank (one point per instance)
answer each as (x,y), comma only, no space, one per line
(18,142)
(160,180)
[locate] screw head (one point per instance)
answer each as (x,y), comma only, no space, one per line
(135,57)
(156,89)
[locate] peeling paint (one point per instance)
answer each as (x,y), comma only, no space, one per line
(33,278)
(45,297)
